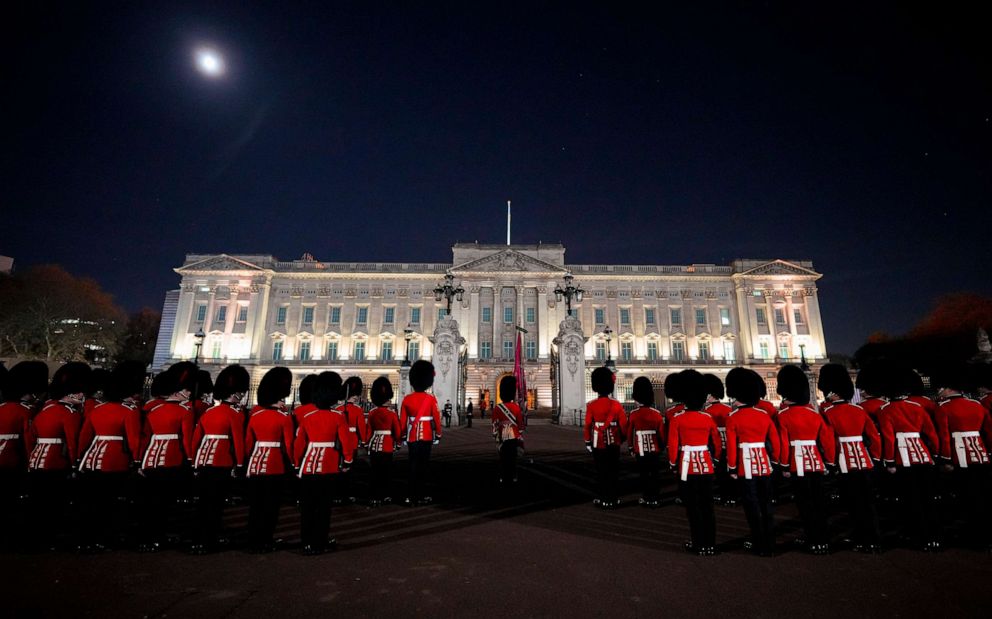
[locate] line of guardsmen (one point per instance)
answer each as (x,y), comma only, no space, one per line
(890,447)
(84,442)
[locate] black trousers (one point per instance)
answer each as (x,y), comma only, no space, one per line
(508,460)
(917,513)
(607,461)
(265,496)
(647,466)
(212,485)
(51,507)
(697,496)
(316,498)
(811,499)
(103,515)
(420,458)
(468,420)
(159,491)
(11,487)
(756,497)
(858,494)
(972,486)
(382,468)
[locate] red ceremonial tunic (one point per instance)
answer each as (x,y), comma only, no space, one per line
(694,435)
(268,440)
(301,411)
(719,412)
(645,427)
(420,417)
(88,405)
(806,439)
(768,408)
(928,405)
(987,401)
(53,438)
(356,423)
(605,423)
(111,438)
(853,427)
(750,434)
(323,442)
(385,430)
(670,412)
(167,436)
(965,430)
(906,428)
(219,438)
(149,405)
(871,406)
(508,427)
(15,419)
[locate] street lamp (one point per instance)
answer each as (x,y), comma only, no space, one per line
(608,334)
(198,338)
(802,358)
(407,335)
(449,291)
(569,292)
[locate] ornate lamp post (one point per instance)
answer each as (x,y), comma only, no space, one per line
(802,358)
(448,290)
(407,335)
(568,292)
(198,338)
(608,334)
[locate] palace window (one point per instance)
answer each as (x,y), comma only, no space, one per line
(308,316)
(201,313)
(625,316)
(779,316)
(652,351)
(759,313)
(362,316)
(798,315)
(508,315)
(487,314)
(277,351)
(530,349)
(700,317)
(359,351)
(415,315)
(281,315)
(783,350)
(725,316)
(222,313)
(626,351)
(334,317)
(215,352)
(531,315)
(678,351)
(649,315)
(332,351)
(413,351)
(387,350)
(486,350)
(600,316)
(243,313)
(676,317)
(763,348)
(601,351)
(728,351)
(305,351)
(507,349)
(388,315)
(704,351)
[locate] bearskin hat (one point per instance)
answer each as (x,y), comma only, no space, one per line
(915,386)
(835,379)
(326,390)
(27,377)
(602,381)
(382,391)
(159,386)
(793,384)
(744,385)
(672,387)
(276,385)
(870,378)
(895,379)
(982,375)
(181,376)
(421,375)
(72,377)
(692,389)
(127,379)
(508,388)
(304,392)
(232,379)
(98,382)
(642,391)
(714,386)
(353,386)
(956,376)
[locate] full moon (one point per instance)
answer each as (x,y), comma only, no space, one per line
(209,62)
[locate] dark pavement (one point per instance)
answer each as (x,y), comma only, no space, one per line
(543,552)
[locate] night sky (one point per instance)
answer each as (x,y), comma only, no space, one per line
(858,138)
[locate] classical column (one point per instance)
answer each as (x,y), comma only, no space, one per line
(542,322)
(571,371)
(747,333)
(813,318)
(473,322)
(184,315)
(258,312)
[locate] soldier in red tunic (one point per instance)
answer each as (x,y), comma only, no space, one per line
(23,388)
(964,429)
(53,441)
(421,423)
(645,427)
(305,395)
(870,383)
(674,398)
(351,394)
(167,453)
(603,432)
(752,449)
(218,451)
(909,441)
(202,396)
(269,442)
(385,435)
(157,392)
(859,450)
(509,423)
(96,386)
(807,448)
(694,447)
(324,449)
(715,408)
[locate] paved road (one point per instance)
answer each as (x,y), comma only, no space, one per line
(544,552)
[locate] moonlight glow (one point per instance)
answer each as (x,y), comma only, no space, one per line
(209,62)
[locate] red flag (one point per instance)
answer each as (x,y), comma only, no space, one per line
(518,373)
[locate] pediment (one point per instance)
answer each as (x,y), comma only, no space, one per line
(508,260)
(780,267)
(221,262)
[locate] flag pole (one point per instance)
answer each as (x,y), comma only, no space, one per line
(507,223)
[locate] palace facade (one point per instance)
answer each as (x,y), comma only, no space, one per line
(367,317)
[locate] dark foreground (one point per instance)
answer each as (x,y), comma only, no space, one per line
(545,552)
